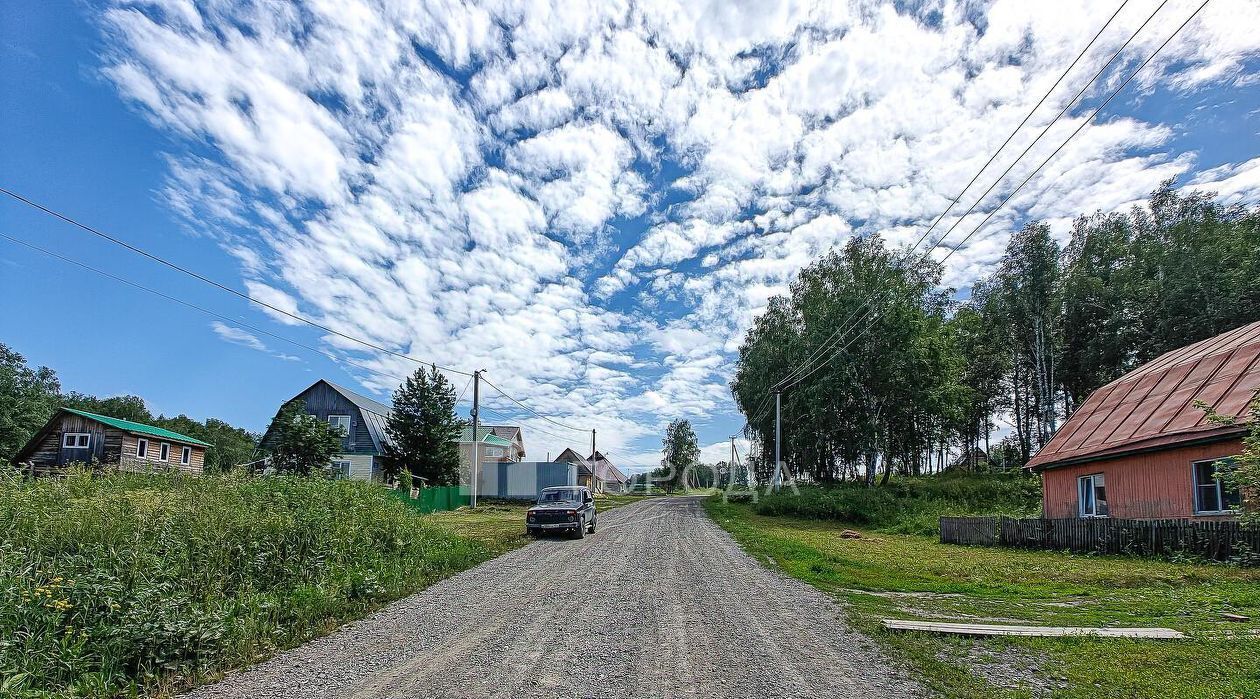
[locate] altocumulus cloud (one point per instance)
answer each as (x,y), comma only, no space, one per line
(592,200)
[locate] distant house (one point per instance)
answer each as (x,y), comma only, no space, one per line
(360,418)
(513,434)
(1139,448)
(597,473)
(78,436)
(974,458)
(493,448)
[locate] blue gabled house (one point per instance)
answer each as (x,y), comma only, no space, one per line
(360,418)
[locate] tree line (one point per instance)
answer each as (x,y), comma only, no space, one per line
(929,374)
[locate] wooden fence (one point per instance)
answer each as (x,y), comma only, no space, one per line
(1216,540)
(970,531)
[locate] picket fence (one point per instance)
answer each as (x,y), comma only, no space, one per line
(1216,540)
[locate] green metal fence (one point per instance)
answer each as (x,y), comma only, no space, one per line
(433,499)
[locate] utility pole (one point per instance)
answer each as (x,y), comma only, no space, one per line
(592,461)
(730,467)
(778,445)
(476,457)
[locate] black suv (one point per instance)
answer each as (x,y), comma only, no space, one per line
(566,508)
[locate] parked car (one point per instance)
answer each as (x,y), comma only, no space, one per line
(566,508)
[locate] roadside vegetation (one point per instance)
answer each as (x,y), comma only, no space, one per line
(117,584)
(889,575)
(909,505)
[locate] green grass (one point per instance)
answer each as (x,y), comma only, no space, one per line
(890,575)
(909,505)
(127,585)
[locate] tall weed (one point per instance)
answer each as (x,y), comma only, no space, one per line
(121,584)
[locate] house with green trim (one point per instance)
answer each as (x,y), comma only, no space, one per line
(77,436)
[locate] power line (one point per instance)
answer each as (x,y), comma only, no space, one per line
(207,280)
(824,345)
(218,285)
(202,309)
(796,375)
(1086,122)
(531,410)
(510,418)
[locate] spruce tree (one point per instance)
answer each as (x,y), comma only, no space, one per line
(424,429)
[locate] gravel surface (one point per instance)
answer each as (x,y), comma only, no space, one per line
(660,602)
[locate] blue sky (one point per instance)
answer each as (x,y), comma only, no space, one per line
(591,204)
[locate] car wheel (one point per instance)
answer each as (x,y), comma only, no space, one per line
(579,532)
(592,529)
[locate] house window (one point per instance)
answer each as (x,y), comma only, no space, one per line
(76,440)
(142,448)
(164,452)
(1211,496)
(494,452)
(1093,494)
(342,422)
(341,469)
(185,456)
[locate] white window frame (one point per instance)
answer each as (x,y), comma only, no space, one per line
(338,423)
(1092,512)
(66,435)
(145,442)
(164,451)
(185,456)
(494,452)
(338,471)
(1220,487)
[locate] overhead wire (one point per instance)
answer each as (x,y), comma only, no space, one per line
(247,297)
(218,285)
(242,324)
(531,410)
(841,327)
(1084,123)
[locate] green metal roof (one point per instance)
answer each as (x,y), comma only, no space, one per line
(138,428)
(487,437)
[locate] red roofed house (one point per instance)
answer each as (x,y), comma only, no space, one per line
(1138,448)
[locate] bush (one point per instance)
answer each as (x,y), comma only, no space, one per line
(120,583)
(909,505)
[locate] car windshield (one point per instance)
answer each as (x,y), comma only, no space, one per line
(560,495)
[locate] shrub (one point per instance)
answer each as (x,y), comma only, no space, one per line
(909,505)
(115,584)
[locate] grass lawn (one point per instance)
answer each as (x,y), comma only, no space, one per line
(914,577)
(500,527)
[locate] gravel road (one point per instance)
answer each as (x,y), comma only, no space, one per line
(660,602)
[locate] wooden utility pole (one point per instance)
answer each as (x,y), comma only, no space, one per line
(476,455)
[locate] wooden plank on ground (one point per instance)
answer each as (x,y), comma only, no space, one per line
(1006,630)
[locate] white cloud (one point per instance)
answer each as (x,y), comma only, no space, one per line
(453,180)
(237,336)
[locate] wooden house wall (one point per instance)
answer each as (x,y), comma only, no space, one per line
(104,445)
(1154,485)
(322,401)
(197,457)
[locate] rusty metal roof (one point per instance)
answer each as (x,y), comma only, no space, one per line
(1153,405)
